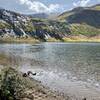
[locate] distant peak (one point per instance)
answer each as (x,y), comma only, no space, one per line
(78,9)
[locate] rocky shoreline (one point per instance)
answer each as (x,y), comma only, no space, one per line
(16,87)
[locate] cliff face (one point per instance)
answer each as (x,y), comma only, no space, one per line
(13,24)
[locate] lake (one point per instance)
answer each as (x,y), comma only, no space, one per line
(66,67)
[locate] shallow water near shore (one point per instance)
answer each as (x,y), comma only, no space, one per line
(71,68)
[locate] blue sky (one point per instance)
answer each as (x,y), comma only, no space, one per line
(44,6)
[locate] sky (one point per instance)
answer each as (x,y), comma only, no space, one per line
(44,6)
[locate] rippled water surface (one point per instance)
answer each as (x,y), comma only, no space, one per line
(56,64)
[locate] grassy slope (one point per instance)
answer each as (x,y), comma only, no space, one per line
(97,7)
(4,25)
(81,28)
(84,29)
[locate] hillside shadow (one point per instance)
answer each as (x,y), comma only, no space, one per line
(90,17)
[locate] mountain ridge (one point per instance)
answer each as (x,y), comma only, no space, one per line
(79,21)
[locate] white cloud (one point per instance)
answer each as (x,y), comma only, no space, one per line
(38,7)
(82,3)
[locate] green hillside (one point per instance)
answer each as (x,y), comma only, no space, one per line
(96,7)
(84,29)
(85,21)
(4,25)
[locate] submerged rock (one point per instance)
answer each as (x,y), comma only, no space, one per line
(28,74)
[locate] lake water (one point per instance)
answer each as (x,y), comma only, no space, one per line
(60,66)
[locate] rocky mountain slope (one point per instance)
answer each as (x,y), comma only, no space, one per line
(13,24)
(18,26)
(79,21)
